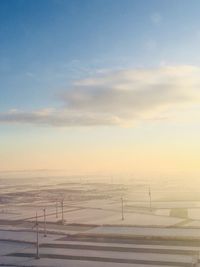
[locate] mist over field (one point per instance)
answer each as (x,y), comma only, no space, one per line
(52,219)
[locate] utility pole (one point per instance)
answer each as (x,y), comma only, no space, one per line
(62,204)
(37,237)
(56,209)
(122,205)
(45,229)
(150,204)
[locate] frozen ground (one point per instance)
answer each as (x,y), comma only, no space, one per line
(17,248)
(92,214)
(89,202)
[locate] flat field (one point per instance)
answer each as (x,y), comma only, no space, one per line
(98,221)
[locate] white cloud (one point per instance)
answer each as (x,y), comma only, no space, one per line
(118,98)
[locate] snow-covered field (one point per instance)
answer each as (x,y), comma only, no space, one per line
(18,248)
(97,202)
(94,207)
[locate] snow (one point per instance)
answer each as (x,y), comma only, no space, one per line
(115,255)
(24,236)
(9,247)
(12,247)
(67,263)
(95,204)
(147,231)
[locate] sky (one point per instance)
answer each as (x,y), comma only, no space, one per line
(108,86)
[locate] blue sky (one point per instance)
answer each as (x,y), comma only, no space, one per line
(44,45)
(99,79)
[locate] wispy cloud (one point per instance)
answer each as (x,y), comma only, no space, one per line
(62,117)
(118,98)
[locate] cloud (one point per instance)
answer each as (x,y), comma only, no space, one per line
(62,117)
(118,98)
